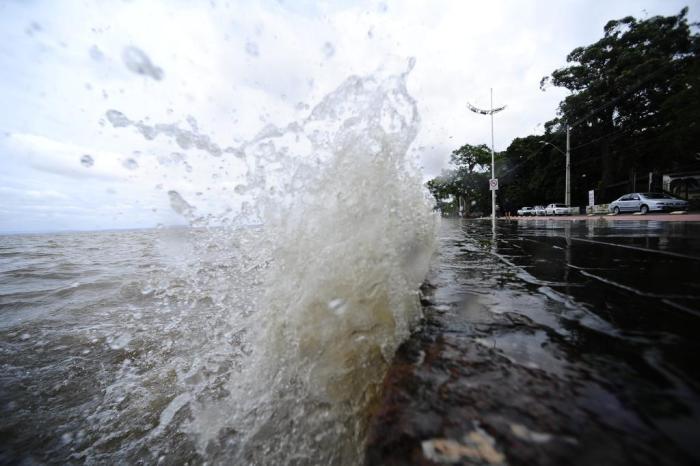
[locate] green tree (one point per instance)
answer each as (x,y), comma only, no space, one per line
(531,172)
(466,184)
(635,95)
(470,157)
(444,190)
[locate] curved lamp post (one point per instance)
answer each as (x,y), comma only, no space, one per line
(491,111)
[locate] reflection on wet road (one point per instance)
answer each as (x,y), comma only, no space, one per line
(557,342)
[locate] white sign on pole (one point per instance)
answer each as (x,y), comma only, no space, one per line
(493,184)
(591,198)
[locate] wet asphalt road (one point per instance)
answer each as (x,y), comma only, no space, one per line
(561,342)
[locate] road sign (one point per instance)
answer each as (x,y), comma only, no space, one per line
(493,184)
(591,198)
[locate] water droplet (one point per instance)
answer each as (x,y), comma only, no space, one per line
(179,204)
(328,50)
(96,54)
(87,161)
(130,164)
(118,119)
(337,306)
(32,28)
(251,48)
(138,62)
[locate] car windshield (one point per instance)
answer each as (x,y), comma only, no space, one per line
(657,196)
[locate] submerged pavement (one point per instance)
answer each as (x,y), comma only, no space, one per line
(555,342)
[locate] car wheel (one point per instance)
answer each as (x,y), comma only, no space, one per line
(644,209)
(616,210)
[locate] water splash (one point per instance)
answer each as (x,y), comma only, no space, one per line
(314,269)
(185,138)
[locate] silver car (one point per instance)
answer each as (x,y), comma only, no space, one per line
(647,202)
(526,211)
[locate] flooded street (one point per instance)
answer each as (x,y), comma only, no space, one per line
(557,342)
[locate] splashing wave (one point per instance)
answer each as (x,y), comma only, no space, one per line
(317,266)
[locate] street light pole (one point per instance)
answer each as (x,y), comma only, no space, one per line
(491,111)
(567,197)
(493,169)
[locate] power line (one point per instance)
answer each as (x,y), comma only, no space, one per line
(522,161)
(618,131)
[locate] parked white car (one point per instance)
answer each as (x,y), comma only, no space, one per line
(557,209)
(540,210)
(647,202)
(525,211)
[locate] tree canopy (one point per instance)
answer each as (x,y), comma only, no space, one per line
(635,98)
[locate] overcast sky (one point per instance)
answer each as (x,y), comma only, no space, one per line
(226,69)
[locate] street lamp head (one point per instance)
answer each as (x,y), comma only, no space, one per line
(546,143)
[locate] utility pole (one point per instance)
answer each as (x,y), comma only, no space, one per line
(567,176)
(567,196)
(493,183)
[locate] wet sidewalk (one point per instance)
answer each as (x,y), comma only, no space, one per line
(557,343)
(661,217)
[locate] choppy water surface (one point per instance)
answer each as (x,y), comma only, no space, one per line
(258,335)
(563,342)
